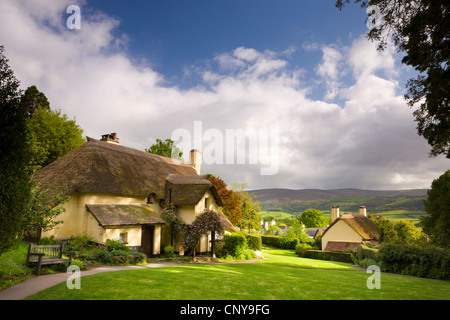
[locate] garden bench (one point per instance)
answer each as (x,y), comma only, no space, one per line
(47,254)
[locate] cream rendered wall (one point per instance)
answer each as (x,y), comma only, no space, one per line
(79,221)
(340,231)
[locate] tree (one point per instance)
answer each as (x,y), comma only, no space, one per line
(34,99)
(165,149)
(45,205)
(231,200)
(52,135)
(421,29)
(249,208)
(313,218)
(436,222)
(14,180)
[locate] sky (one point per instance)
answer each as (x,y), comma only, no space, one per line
(310,100)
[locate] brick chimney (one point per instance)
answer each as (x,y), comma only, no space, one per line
(334,213)
(196,160)
(362,210)
(110,138)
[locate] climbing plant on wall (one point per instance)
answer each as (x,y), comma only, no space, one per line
(207,222)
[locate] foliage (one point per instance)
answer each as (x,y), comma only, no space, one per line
(112,252)
(231,200)
(33,100)
(165,149)
(325,255)
(249,208)
(206,222)
(421,30)
(399,231)
(254,242)
(14,181)
(436,222)
(52,135)
(429,262)
(42,212)
(12,262)
(364,252)
(313,218)
(169,251)
(235,244)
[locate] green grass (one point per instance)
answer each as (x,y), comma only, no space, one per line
(283,276)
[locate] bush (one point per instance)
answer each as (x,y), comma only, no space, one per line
(364,252)
(169,251)
(254,242)
(429,262)
(325,255)
(235,244)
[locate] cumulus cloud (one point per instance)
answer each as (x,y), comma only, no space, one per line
(366,140)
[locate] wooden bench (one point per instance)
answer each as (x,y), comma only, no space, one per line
(47,254)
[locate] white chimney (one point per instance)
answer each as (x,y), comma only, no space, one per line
(362,210)
(334,213)
(196,160)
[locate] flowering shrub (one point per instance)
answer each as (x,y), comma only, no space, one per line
(206,222)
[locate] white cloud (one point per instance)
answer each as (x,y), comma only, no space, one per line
(369,141)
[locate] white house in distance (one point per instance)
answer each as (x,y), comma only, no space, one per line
(118,192)
(349,231)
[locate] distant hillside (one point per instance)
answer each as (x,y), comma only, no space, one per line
(406,203)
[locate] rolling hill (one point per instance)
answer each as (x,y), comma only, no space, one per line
(394,204)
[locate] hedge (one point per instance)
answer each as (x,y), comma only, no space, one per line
(325,255)
(235,244)
(254,242)
(364,252)
(279,242)
(429,262)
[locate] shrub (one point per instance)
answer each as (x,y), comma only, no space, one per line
(254,242)
(235,244)
(272,241)
(325,255)
(115,244)
(429,262)
(169,250)
(364,252)
(249,254)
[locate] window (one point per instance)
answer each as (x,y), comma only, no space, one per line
(123,237)
(206,203)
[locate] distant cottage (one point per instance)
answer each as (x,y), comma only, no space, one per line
(118,192)
(349,231)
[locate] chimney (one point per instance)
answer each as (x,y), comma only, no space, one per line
(110,138)
(334,213)
(362,210)
(196,160)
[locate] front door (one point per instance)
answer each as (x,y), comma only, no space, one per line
(147,240)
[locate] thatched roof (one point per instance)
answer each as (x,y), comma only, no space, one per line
(225,223)
(340,246)
(365,227)
(189,189)
(124,215)
(101,167)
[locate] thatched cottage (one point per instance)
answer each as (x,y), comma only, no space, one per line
(118,192)
(349,231)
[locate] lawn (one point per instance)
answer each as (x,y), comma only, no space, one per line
(283,276)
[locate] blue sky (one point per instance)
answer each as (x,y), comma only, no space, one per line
(301,75)
(172,35)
